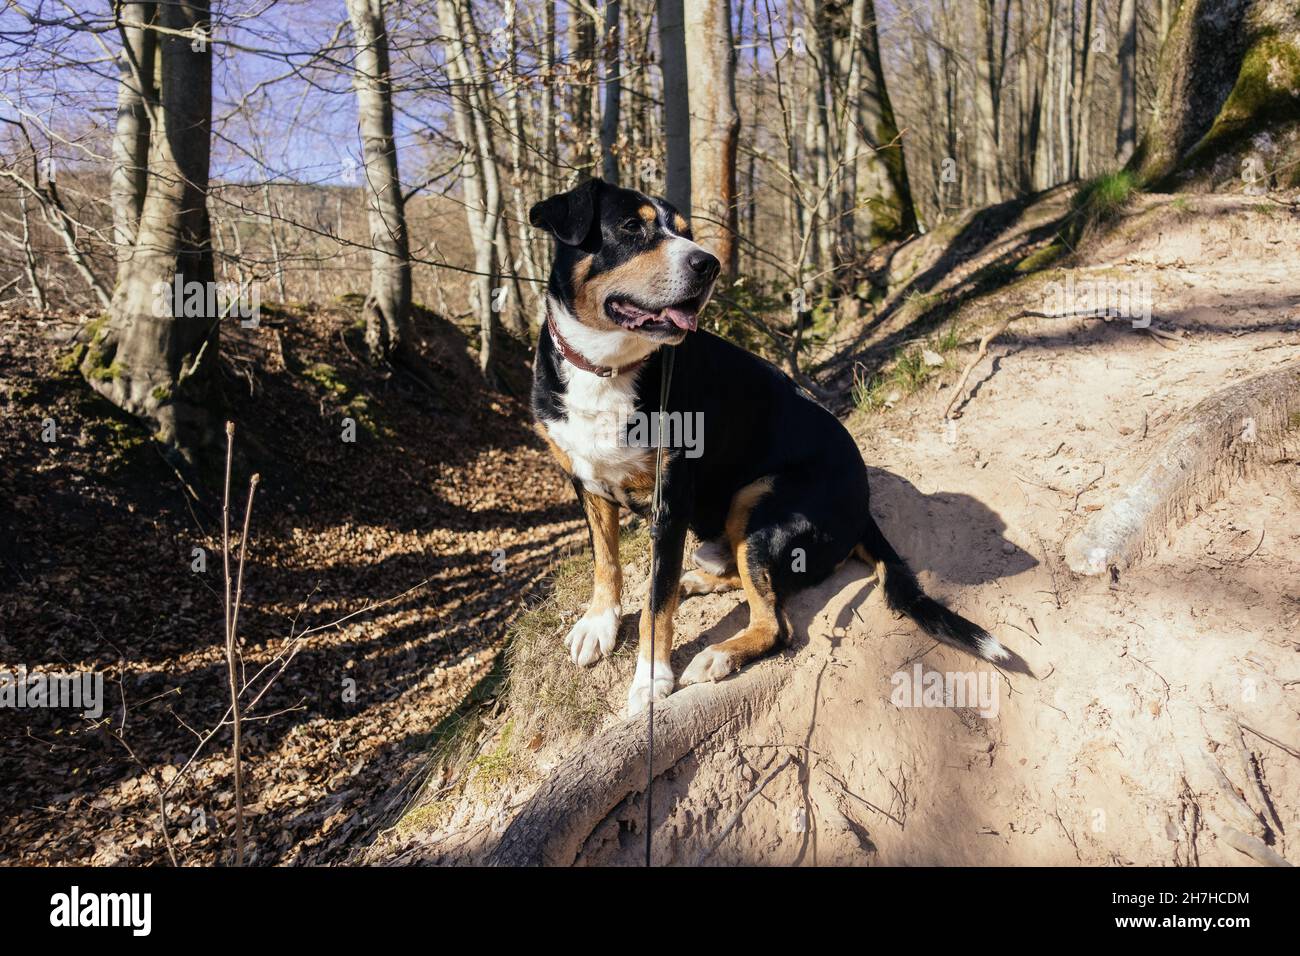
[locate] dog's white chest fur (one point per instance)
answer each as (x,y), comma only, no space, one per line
(591,433)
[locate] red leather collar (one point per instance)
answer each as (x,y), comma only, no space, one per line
(576,359)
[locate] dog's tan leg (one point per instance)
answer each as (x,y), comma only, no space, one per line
(654,680)
(593,636)
(656,684)
(765,630)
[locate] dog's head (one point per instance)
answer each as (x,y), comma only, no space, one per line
(626,262)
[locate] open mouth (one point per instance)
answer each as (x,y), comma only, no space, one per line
(683,315)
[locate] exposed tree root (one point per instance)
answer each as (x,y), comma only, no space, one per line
(1214,444)
(581,792)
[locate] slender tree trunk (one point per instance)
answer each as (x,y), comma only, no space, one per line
(714,127)
(137,97)
(677,108)
(152,359)
(986,143)
(613,93)
(34,286)
(1040,136)
(482,188)
(518,315)
(1079,102)
(272,230)
(388,306)
(1126,135)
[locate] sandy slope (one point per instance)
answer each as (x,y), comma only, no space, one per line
(1110,749)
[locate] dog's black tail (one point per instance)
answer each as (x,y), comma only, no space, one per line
(904,595)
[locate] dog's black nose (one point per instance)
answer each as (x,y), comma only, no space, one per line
(704,265)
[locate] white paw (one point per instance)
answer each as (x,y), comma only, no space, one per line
(593,636)
(714,557)
(710,664)
(644,690)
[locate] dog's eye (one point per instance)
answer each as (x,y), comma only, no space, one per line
(634,226)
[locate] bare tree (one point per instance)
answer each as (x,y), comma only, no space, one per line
(151,358)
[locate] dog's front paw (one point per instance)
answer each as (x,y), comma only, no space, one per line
(593,636)
(709,664)
(645,689)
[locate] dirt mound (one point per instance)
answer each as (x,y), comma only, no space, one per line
(1157,723)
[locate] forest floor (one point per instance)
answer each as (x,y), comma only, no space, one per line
(418,539)
(1160,708)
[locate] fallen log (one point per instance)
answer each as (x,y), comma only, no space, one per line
(1212,445)
(583,790)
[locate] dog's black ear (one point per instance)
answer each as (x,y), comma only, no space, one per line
(568,216)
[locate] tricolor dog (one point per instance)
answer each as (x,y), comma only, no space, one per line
(776,491)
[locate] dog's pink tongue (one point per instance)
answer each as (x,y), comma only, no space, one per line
(684,319)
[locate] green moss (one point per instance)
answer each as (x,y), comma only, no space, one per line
(1263,96)
(354,404)
(161,394)
(70,361)
(1042,258)
(495,767)
(102,373)
(424,819)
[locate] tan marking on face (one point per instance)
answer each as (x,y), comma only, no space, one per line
(638,273)
(647,212)
(679,222)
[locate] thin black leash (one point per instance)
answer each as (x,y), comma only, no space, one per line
(656,502)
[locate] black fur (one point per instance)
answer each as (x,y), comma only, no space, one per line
(757,423)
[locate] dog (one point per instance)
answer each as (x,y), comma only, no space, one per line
(776,489)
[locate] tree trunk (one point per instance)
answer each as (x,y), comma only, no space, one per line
(1042,141)
(1126,135)
(34,287)
(677,109)
(137,100)
(482,188)
(894,212)
(714,127)
(986,137)
(613,93)
(151,359)
(1228,71)
(388,306)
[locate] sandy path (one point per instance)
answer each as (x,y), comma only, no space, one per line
(1103,754)
(1126,741)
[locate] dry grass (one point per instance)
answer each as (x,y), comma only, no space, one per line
(546,696)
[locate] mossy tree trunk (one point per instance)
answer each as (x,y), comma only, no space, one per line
(149,358)
(1227,97)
